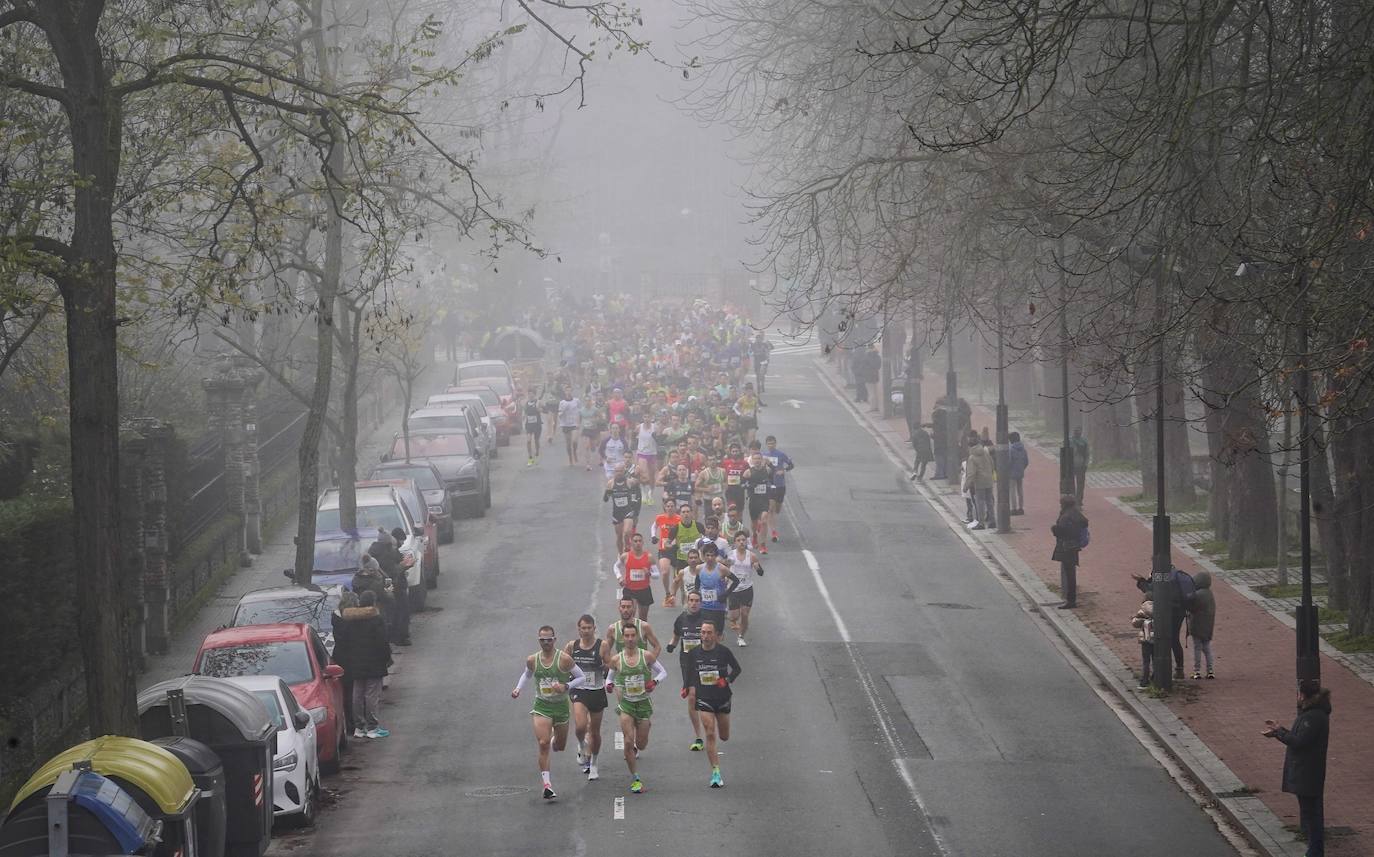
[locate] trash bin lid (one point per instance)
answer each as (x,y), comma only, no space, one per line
(240,707)
(196,756)
(155,771)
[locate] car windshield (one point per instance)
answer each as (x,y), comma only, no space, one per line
(423,476)
(490,370)
(500,385)
(369,517)
(270,702)
(488,397)
(430,446)
(338,554)
(426,421)
(288,659)
(315,610)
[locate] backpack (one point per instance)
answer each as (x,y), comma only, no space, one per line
(1183,584)
(1084,537)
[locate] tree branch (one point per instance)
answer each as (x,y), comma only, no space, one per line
(33,87)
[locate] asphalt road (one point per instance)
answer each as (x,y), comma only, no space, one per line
(895,698)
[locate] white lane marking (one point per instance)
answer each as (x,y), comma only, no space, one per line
(619,740)
(598,566)
(618,809)
(815,567)
(867,683)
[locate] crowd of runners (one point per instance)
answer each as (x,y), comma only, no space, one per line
(667,413)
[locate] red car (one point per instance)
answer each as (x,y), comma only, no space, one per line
(296,653)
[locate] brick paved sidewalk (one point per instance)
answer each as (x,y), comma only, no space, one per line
(1254,650)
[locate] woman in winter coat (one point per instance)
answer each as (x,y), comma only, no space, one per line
(1202,617)
(336,623)
(1068,541)
(1304,759)
(361,648)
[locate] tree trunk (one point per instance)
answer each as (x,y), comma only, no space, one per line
(88,296)
(351,350)
(1352,447)
(1324,517)
(1218,505)
(1145,440)
(1178,457)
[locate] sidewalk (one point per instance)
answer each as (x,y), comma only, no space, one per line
(1255,654)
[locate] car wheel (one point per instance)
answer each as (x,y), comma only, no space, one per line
(306,817)
(418,595)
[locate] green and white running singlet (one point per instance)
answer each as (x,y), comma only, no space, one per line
(632,681)
(548,702)
(620,639)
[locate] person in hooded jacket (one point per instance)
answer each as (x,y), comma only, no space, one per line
(346,600)
(361,648)
(389,557)
(1017,462)
(1068,541)
(1304,759)
(1201,620)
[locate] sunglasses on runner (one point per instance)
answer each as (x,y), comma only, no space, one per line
(546,639)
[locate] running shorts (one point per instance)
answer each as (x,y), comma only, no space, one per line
(558,712)
(742,598)
(586,432)
(644,596)
(777,494)
(594,699)
(714,706)
(568,430)
(747,423)
(716,618)
(758,504)
(641,710)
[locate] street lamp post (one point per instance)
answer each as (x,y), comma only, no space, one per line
(1066,451)
(1309,660)
(952,423)
(1161,565)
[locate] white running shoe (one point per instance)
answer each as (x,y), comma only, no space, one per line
(742,642)
(592,774)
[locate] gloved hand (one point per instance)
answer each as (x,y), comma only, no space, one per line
(760,571)
(670,648)
(721,682)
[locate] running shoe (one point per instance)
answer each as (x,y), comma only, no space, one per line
(637,785)
(582,761)
(697,745)
(378,732)
(592,774)
(529,463)
(549,793)
(359,733)
(716,781)
(742,642)
(763,549)
(775,535)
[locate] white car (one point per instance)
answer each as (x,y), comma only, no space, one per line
(296,764)
(379,507)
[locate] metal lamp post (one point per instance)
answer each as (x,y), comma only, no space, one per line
(1066,451)
(952,422)
(1003,427)
(1161,565)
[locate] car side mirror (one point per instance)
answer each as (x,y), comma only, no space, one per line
(333,671)
(301,719)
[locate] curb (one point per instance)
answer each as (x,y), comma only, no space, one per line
(1214,780)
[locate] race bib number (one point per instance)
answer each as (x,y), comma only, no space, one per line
(634,685)
(638,575)
(546,688)
(689,645)
(708,596)
(708,677)
(732,479)
(761,489)
(531,421)
(773,460)
(622,502)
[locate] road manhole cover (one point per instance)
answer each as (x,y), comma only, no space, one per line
(498,791)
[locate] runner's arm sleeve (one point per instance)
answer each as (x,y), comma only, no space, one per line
(735,668)
(524,679)
(579,678)
(660,673)
(734,582)
(610,676)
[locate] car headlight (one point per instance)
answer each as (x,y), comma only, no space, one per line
(437,510)
(318,714)
(287,762)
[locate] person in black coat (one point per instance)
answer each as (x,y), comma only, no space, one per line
(1304,759)
(361,648)
(1068,541)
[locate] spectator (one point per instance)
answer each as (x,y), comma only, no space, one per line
(369,577)
(1017,462)
(1069,532)
(873,373)
(389,557)
(1304,759)
(336,621)
(858,367)
(939,438)
(1182,590)
(1144,623)
(1081,456)
(360,647)
(978,478)
(925,453)
(400,587)
(1201,619)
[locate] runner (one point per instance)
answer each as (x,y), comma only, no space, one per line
(734,465)
(714,671)
(646,454)
(678,489)
(715,582)
(687,631)
(613,451)
(554,674)
(688,532)
(593,421)
(744,563)
(663,534)
(589,701)
(634,674)
(633,572)
(647,638)
(569,418)
(685,581)
(713,536)
(534,428)
(747,409)
(760,351)
(782,464)
(734,523)
(623,494)
(710,485)
(618,410)
(758,482)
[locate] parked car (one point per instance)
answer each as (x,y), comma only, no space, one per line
(479,408)
(482,370)
(338,555)
(381,507)
(295,653)
(314,606)
(463,467)
(431,486)
(296,762)
(415,504)
(503,417)
(453,417)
